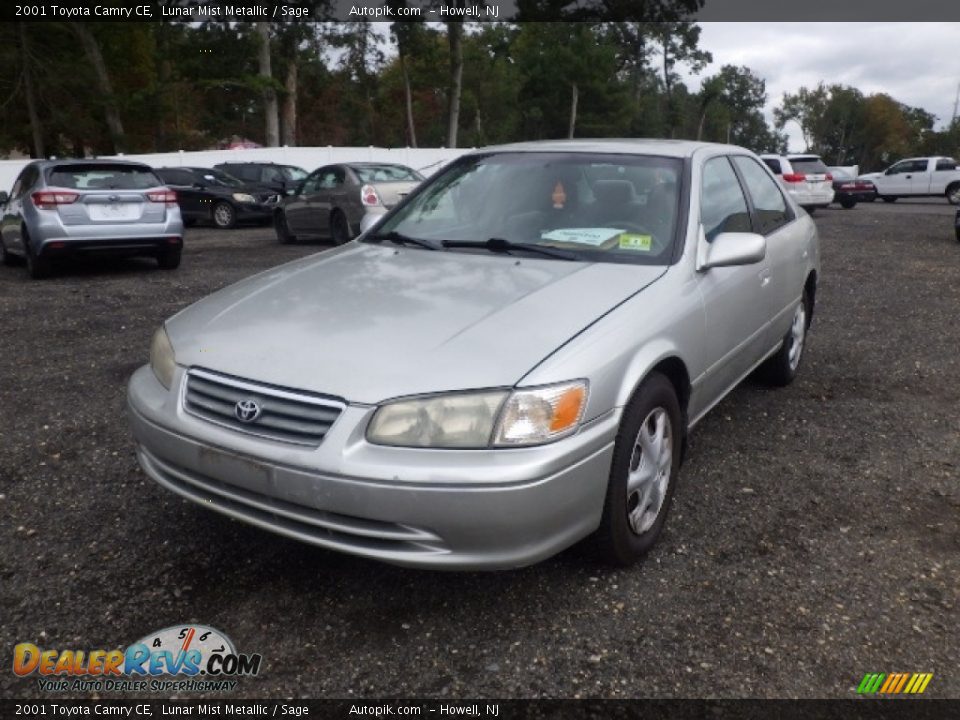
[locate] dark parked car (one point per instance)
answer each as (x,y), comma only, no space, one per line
(267,174)
(209,195)
(334,199)
(63,208)
(849,190)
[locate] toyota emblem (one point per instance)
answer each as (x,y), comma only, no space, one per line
(247,410)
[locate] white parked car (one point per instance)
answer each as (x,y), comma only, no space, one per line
(805,177)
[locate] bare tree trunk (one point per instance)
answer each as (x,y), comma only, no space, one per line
(455,38)
(112,115)
(703,119)
(270,109)
(408,97)
(35,127)
(574,94)
(667,86)
(288,122)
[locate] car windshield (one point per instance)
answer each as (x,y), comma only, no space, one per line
(386,173)
(291,172)
(216,177)
(598,207)
(102,176)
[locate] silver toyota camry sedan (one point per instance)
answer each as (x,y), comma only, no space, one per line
(509,362)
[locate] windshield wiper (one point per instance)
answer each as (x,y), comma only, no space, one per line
(401,239)
(505,246)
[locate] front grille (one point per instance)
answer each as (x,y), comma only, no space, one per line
(284,415)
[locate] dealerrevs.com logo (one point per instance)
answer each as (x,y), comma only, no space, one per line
(181,658)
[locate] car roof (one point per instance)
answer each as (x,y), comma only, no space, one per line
(630,146)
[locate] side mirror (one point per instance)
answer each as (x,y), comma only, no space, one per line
(4,197)
(199,186)
(734,248)
(890,171)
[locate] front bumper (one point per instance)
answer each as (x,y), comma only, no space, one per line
(447,509)
(255,211)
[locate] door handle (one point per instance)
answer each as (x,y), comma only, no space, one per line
(909,176)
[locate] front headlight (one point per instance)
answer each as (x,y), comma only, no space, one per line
(442,421)
(244,198)
(482,419)
(162,361)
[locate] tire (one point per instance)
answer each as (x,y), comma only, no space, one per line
(888,198)
(640,490)
(282,229)
(340,228)
(953,194)
(38,267)
(224,216)
(848,203)
(170,259)
(781,369)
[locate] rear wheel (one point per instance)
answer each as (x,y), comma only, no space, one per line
(340,228)
(224,216)
(953,194)
(169,259)
(282,229)
(38,267)
(847,203)
(782,368)
(646,460)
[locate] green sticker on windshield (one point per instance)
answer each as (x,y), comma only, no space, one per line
(630,241)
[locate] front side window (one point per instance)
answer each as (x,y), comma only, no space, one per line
(768,203)
(331,178)
(594,207)
(723,207)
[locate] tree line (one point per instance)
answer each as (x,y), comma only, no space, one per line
(100,88)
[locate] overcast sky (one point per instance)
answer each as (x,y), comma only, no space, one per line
(915,63)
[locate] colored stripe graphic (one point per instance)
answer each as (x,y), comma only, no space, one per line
(894,683)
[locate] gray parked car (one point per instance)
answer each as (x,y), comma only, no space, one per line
(63,208)
(516,356)
(334,200)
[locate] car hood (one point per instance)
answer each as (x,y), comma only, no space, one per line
(869,176)
(367,323)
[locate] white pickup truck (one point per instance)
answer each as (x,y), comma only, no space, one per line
(916,177)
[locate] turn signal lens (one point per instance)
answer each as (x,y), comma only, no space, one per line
(540,415)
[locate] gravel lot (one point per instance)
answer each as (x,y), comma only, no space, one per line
(815,535)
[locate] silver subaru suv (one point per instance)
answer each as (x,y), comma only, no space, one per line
(59,209)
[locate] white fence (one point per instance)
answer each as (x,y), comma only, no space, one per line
(426,160)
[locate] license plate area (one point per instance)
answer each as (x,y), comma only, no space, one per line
(234,470)
(113,212)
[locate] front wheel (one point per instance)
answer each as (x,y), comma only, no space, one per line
(953,194)
(646,461)
(888,198)
(224,216)
(782,368)
(5,257)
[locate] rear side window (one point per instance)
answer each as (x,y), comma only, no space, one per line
(102,177)
(773,165)
(768,203)
(809,166)
(176,177)
(944,164)
(386,173)
(722,205)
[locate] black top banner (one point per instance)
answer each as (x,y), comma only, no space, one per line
(481,11)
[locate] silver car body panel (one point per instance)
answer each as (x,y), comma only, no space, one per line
(411,321)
